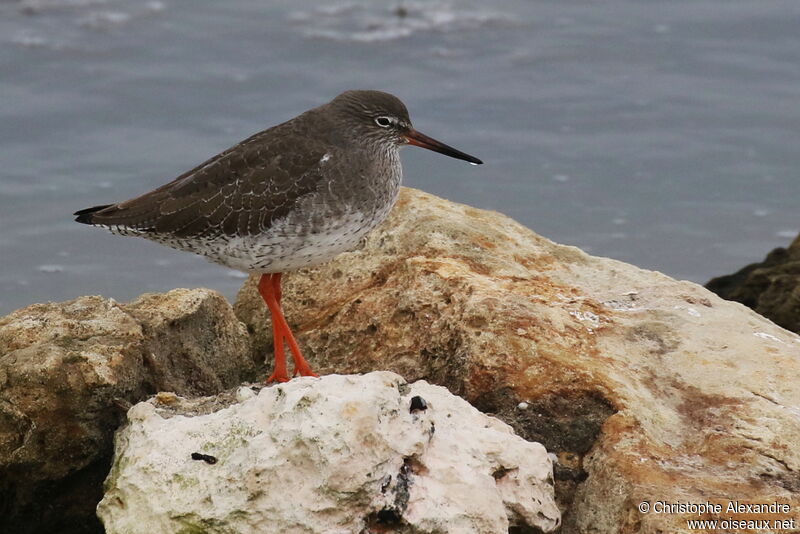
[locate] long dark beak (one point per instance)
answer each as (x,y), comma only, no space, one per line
(415,138)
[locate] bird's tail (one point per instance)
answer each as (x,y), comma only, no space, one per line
(86,216)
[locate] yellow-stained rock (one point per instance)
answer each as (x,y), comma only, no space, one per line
(645,388)
(69,370)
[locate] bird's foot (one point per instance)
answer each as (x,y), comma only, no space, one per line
(304,370)
(278,376)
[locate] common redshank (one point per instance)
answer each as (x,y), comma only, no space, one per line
(292,196)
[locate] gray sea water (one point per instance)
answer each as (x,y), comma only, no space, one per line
(661,133)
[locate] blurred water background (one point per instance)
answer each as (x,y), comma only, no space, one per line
(661,133)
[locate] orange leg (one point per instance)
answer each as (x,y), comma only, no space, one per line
(270,289)
(267,290)
(277,334)
(276,286)
(276,289)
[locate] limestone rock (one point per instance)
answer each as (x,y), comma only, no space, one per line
(341,454)
(646,388)
(772,287)
(64,370)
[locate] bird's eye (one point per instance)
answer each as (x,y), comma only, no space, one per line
(383,122)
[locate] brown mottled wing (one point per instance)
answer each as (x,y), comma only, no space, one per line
(238,192)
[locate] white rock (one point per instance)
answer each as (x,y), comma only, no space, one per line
(340,454)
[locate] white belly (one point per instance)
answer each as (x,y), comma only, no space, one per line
(288,251)
(289,246)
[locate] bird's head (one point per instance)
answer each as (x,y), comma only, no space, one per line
(381,118)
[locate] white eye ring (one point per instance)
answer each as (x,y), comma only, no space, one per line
(384,122)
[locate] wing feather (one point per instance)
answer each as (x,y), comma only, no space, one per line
(241,191)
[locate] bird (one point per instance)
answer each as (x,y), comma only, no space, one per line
(292,196)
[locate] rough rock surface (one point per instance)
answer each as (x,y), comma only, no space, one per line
(64,370)
(772,287)
(645,387)
(341,454)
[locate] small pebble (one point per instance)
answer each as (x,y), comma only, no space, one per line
(244,393)
(418,404)
(166,398)
(207,458)
(522,406)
